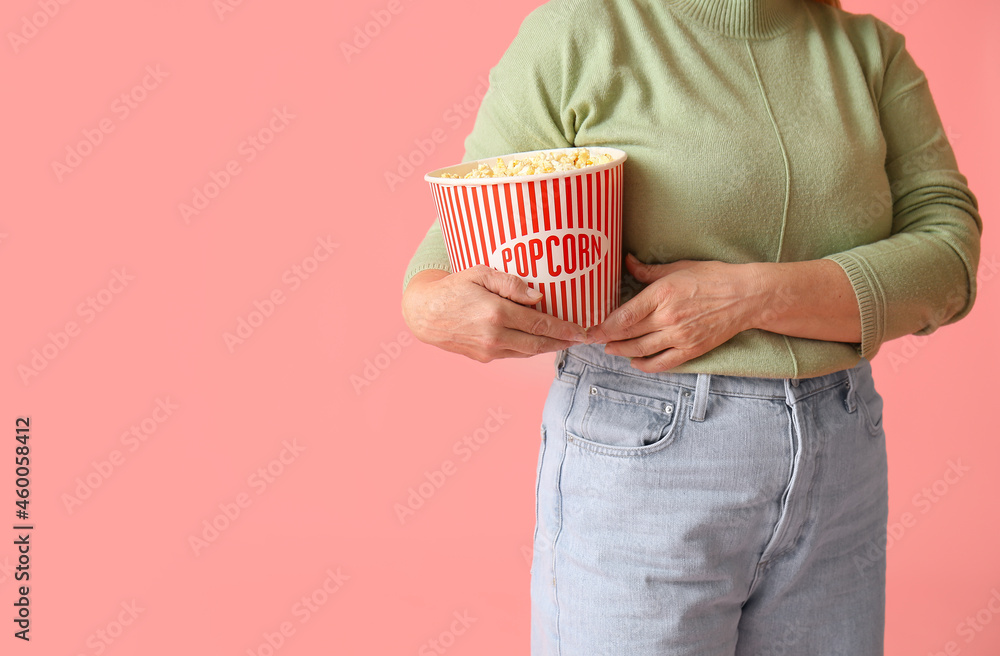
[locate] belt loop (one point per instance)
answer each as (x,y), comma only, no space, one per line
(701,388)
(790,390)
(852,384)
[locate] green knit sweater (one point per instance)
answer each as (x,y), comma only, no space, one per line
(757,131)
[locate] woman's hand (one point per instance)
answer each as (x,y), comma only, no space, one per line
(687,309)
(481,313)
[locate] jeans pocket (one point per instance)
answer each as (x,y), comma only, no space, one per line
(870,403)
(611,419)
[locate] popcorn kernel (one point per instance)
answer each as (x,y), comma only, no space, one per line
(547,162)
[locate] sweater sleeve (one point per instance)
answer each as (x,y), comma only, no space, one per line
(924,274)
(520,111)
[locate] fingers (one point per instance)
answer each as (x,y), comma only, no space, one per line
(484,315)
(639,347)
(521,344)
(533,322)
(642,272)
(622,323)
(511,328)
(649,272)
(505,285)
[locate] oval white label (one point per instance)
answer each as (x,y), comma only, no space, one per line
(551,256)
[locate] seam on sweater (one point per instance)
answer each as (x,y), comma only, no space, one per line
(907,89)
(512,119)
(781,146)
(930,143)
(971,272)
(788,187)
(971,266)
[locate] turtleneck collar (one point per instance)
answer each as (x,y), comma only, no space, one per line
(748,19)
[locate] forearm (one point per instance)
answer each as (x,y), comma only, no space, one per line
(812,300)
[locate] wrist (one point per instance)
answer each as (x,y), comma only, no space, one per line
(422,278)
(761,288)
(413,303)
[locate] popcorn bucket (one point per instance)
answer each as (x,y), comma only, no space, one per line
(560,232)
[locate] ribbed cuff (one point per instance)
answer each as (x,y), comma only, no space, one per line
(869,302)
(424,267)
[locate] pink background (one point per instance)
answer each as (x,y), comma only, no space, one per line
(331,506)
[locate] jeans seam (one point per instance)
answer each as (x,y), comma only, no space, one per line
(538,482)
(817,460)
(783,509)
(559,503)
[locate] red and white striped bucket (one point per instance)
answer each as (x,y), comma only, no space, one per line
(560,232)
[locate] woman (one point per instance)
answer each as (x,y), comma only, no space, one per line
(712,470)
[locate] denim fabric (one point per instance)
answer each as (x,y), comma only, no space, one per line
(684,514)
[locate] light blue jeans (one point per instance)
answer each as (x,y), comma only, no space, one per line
(696,515)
